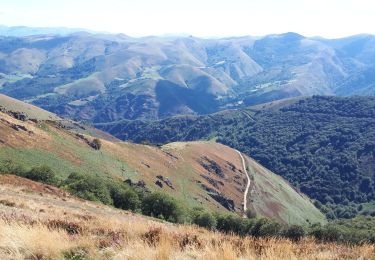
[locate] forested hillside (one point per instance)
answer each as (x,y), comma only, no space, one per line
(325,146)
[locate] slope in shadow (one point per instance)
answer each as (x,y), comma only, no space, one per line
(175,99)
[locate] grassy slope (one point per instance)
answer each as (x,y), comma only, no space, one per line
(32,111)
(181,163)
(274,197)
(319,144)
(66,153)
(39,221)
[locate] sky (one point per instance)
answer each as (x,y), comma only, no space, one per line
(201,18)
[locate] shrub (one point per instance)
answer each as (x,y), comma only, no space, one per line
(205,219)
(327,233)
(153,236)
(96,144)
(256,229)
(190,240)
(161,205)
(88,187)
(250,213)
(230,223)
(70,227)
(125,198)
(9,166)
(294,232)
(7,203)
(269,229)
(42,174)
(73,177)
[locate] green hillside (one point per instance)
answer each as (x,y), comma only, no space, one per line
(199,174)
(322,145)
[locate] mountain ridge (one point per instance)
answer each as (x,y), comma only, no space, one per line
(104,77)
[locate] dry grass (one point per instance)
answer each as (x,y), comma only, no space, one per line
(46,226)
(102,238)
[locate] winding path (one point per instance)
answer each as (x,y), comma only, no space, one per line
(248,183)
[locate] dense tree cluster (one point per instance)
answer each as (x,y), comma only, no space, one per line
(327,152)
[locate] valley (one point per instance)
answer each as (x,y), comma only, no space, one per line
(103,78)
(180,147)
(319,144)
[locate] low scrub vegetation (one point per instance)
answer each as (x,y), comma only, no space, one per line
(163,206)
(63,233)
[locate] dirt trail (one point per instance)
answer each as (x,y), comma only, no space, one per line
(248,182)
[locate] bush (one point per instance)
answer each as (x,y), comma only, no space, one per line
(96,144)
(328,233)
(88,187)
(161,205)
(42,174)
(70,227)
(125,198)
(205,219)
(250,213)
(257,229)
(294,232)
(10,167)
(269,228)
(230,223)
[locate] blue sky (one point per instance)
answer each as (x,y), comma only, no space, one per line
(204,18)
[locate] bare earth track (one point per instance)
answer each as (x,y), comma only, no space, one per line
(248,182)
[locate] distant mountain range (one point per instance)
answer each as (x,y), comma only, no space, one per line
(173,88)
(20,31)
(105,77)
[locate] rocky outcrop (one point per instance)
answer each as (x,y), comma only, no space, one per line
(18,115)
(159,183)
(208,189)
(231,166)
(220,198)
(16,126)
(95,144)
(19,127)
(211,166)
(224,201)
(171,155)
(15,114)
(213,182)
(166,181)
(140,184)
